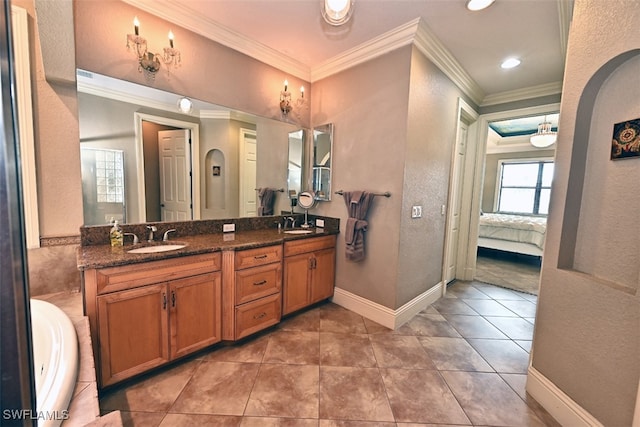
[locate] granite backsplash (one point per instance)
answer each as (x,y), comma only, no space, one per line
(99,235)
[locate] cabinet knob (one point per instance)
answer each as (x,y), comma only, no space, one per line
(260,283)
(173,298)
(260,256)
(164,301)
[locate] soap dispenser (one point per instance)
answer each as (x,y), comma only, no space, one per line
(115,235)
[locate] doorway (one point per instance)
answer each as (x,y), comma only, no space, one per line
(179,188)
(511,187)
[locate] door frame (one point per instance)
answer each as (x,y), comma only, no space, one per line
(473,186)
(195,160)
(466,114)
(241,166)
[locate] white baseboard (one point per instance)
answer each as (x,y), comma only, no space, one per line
(385,316)
(557,403)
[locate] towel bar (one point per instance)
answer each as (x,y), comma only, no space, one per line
(280,190)
(385,194)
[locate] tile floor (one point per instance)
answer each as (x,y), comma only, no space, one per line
(514,271)
(462,361)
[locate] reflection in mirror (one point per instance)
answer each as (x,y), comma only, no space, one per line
(295,174)
(214,166)
(322,146)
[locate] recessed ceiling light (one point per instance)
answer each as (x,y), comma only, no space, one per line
(510,63)
(475,5)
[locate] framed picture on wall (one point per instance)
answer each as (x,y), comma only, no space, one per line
(626,140)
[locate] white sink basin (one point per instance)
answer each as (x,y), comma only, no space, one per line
(298,231)
(156,249)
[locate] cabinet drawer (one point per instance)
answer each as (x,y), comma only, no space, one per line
(295,247)
(259,256)
(257,282)
(257,315)
(134,275)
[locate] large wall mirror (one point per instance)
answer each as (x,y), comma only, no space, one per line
(322,146)
(295,170)
(143,160)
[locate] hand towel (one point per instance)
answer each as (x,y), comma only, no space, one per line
(267,197)
(358,203)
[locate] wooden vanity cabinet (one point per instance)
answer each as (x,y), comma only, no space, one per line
(252,290)
(145,315)
(309,272)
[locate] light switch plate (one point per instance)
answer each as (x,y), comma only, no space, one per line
(226,228)
(416,212)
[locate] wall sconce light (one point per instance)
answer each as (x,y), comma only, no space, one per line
(285,99)
(150,62)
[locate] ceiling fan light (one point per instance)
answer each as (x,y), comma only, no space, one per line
(337,12)
(475,5)
(545,137)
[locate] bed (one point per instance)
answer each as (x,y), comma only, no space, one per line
(512,233)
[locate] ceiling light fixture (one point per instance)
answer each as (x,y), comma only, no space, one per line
(150,62)
(545,136)
(337,12)
(475,5)
(510,63)
(185,105)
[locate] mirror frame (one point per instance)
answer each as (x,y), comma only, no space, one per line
(323,194)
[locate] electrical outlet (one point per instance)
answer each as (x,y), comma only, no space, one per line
(416,212)
(443,209)
(319,222)
(227,228)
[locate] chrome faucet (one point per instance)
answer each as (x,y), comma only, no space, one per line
(151,229)
(165,237)
(293,222)
(135,238)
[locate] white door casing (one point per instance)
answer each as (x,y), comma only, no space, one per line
(194,129)
(455,199)
(248,157)
(175,171)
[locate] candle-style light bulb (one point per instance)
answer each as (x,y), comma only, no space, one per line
(170,39)
(301,91)
(286,85)
(136,25)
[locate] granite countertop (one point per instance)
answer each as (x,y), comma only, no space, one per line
(99,256)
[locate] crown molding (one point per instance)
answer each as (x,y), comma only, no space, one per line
(85,85)
(413,32)
(378,46)
(521,94)
(432,47)
(187,18)
(565,14)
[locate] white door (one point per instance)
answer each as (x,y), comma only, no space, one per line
(455,201)
(175,170)
(248,157)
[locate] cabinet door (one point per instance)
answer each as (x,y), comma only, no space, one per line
(323,272)
(134,335)
(196,320)
(295,291)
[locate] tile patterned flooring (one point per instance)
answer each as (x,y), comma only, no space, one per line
(461,361)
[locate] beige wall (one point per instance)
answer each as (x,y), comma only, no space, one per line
(587,337)
(368,106)
(431,134)
(210,72)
